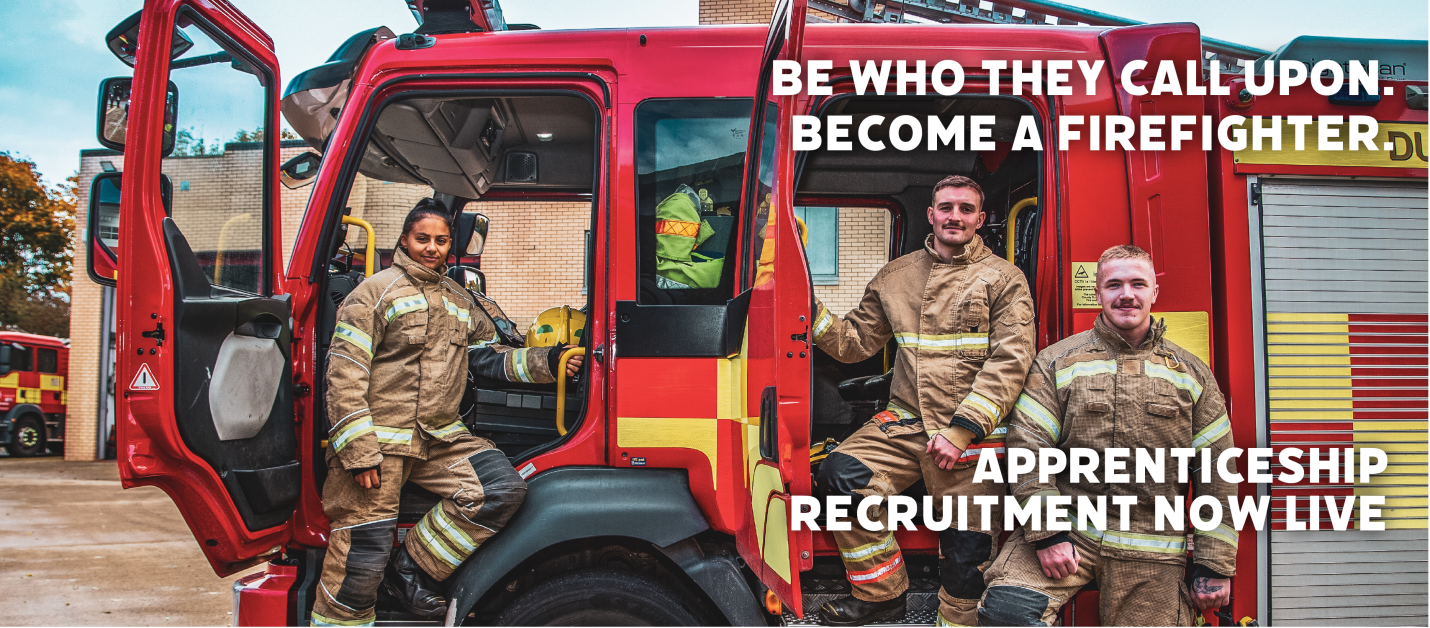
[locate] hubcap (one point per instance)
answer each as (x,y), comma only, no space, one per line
(29,437)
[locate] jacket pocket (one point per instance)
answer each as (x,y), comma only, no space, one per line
(973,327)
(1161,410)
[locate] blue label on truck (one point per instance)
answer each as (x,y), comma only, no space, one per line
(638,462)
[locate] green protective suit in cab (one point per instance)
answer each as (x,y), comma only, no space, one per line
(679,229)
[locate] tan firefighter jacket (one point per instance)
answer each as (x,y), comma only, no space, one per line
(398,363)
(1094,391)
(965,334)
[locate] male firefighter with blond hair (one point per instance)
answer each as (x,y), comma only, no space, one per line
(1121,384)
(963,319)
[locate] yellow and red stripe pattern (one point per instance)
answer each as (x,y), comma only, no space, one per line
(1347,381)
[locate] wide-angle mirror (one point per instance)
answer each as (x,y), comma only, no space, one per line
(113,116)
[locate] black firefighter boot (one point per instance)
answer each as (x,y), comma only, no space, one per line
(852,611)
(406,582)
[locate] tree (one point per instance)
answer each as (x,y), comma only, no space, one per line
(37,224)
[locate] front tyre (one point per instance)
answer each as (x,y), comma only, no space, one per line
(27,437)
(598,598)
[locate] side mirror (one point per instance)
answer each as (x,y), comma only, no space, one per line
(299,171)
(113,117)
(478,241)
(102,225)
(4,359)
(123,40)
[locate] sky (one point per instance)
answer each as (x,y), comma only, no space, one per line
(54,55)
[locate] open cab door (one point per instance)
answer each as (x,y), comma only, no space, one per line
(204,335)
(778,347)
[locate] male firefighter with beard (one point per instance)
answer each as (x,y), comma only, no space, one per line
(963,319)
(1120,384)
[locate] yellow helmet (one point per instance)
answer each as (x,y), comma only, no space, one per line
(556,326)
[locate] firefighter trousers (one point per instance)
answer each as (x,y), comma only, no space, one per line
(1131,592)
(480,491)
(873,463)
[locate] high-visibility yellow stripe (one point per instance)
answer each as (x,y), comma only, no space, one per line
(1184,381)
(1089,368)
(870,549)
(822,322)
(1034,410)
(352,431)
(1222,532)
(444,525)
(983,403)
(449,429)
(319,620)
(355,336)
(415,303)
(429,541)
(1212,433)
(392,436)
(942,342)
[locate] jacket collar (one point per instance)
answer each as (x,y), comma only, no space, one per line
(416,270)
(1110,336)
(972,252)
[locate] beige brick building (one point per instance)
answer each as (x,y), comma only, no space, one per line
(533,260)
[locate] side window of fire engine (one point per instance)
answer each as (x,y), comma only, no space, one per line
(49,361)
(217,166)
(690,162)
(21,358)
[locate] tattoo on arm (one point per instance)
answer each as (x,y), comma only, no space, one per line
(1204,586)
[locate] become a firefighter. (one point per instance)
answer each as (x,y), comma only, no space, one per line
(1120,384)
(963,319)
(395,377)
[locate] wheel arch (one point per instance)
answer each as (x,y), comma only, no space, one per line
(15,413)
(568,505)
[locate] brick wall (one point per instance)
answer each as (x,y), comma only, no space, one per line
(736,11)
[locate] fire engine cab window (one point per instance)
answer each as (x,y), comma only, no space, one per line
(20,358)
(690,165)
(218,158)
(49,361)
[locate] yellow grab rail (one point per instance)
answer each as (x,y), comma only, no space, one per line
(561,387)
(369,257)
(1013,221)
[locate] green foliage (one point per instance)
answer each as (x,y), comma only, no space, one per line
(187,143)
(37,225)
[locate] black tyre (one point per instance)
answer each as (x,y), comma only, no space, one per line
(27,437)
(598,598)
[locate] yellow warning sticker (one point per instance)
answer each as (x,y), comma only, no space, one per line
(1084,285)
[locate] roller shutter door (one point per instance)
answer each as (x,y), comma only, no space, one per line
(1344,268)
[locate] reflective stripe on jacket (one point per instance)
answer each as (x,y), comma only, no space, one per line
(1094,391)
(493,358)
(965,335)
(397,365)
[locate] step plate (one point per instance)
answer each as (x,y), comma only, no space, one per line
(922,609)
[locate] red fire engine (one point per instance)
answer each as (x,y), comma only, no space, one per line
(660,490)
(32,392)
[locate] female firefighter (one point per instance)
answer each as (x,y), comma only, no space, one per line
(395,377)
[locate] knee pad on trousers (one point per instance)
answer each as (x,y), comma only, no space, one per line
(368,550)
(963,551)
(503,489)
(1012,606)
(841,474)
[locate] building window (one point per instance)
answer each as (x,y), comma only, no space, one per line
(49,360)
(823,246)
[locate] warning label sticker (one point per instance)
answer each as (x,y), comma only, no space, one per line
(144,379)
(1084,285)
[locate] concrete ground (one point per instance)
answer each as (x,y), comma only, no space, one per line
(77,550)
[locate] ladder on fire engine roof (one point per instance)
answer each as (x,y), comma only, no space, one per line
(1032,12)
